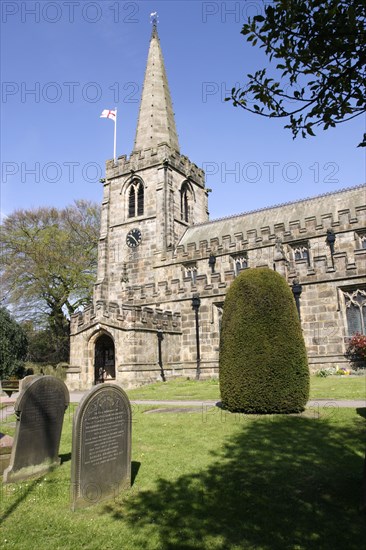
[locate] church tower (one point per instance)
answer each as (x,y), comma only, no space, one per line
(149,200)
(151,197)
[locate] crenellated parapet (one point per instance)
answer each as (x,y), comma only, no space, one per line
(187,269)
(266,252)
(181,289)
(139,160)
(290,221)
(125,317)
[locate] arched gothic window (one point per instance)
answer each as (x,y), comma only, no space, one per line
(356,311)
(184,202)
(135,194)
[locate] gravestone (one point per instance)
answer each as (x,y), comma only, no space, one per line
(101,446)
(6,444)
(40,410)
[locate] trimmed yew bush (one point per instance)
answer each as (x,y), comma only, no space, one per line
(263,362)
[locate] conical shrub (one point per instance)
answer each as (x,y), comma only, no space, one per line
(263,361)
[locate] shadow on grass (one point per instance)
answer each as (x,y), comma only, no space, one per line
(66,457)
(280,483)
(22,495)
(362,412)
(135,466)
(21,490)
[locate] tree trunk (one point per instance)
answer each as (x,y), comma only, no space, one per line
(59,327)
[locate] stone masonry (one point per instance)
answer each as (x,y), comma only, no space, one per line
(146,279)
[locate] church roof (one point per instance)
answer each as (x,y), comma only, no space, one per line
(319,207)
(156,122)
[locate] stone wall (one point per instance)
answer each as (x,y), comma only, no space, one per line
(161,280)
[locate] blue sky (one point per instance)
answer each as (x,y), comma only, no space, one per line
(81,57)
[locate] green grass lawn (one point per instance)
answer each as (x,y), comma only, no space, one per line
(209,480)
(178,388)
(338,387)
(332,387)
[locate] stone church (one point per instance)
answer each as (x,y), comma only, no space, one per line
(164,267)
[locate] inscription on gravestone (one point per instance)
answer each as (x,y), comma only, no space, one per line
(40,410)
(101,446)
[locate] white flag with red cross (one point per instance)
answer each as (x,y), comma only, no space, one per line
(107,113)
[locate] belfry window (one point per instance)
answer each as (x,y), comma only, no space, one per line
(140,200)
(131,202)
(135,195)
(356,311)
(184,202)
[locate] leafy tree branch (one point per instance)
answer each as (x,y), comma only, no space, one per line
(320,48)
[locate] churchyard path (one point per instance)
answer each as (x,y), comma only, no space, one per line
(75,397)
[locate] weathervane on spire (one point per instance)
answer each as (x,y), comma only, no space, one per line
(154,19)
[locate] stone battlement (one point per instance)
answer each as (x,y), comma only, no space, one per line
(126,317)
(180,287)
(139,160)
(290,221)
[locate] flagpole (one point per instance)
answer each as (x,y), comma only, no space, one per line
(115,139)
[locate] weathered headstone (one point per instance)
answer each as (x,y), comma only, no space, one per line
(40,410)
(101,446)
(6,444)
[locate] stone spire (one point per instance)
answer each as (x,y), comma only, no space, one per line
(156,122)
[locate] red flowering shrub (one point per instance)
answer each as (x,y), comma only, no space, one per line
(356,349)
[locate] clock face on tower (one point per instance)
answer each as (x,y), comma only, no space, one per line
(133,238)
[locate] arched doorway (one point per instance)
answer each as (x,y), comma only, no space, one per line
(104,359)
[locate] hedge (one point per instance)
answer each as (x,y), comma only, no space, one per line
(263,363)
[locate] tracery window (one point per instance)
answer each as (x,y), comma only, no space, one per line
(240,262)
(300,252)
(135,193)
(356,311)
(191,272)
